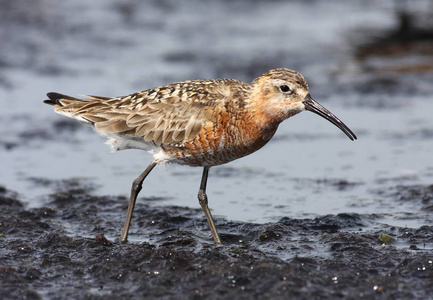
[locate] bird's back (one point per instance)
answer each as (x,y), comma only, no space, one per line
(195,122)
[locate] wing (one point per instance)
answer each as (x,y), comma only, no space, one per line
(167,115)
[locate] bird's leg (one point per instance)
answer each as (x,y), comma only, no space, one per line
(202,199)
(136,188)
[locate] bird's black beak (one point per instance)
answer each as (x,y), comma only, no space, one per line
(315,107)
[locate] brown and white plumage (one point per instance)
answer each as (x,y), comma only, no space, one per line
(167,117)
(197,123)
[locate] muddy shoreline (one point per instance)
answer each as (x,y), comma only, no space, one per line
(356,217)
(173,255)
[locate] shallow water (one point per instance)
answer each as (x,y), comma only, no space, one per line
(309,169)
(311,215)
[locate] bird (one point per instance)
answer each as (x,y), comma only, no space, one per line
(199,123)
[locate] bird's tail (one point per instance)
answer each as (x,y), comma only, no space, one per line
(72,107)
(57,99)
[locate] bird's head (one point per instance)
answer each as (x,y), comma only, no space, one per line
(282,93)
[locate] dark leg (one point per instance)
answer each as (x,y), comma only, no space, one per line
(136,188)
(202,199)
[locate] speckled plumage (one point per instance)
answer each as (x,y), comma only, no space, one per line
(199,122)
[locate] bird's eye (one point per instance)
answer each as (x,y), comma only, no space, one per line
(284,88)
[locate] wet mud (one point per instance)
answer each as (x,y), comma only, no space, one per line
(59,237)
(172,255)
(412,35)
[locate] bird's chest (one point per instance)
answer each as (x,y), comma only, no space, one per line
(224,140)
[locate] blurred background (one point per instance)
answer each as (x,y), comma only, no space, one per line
(370,62)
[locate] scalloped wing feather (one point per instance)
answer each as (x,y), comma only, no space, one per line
(167,115)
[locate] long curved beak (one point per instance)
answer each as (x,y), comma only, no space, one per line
(315,107)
